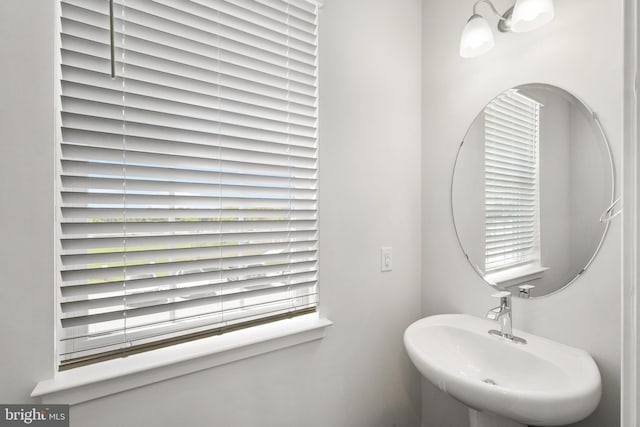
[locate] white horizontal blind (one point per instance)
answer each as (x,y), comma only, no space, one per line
(511,181)
(188,182)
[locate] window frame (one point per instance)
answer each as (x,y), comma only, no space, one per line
(58,186)
(497,122)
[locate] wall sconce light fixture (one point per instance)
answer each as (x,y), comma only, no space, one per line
(523,16)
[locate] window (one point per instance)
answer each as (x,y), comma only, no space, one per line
(511,182)
(188,182)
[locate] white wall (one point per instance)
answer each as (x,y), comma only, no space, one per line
(555,218)
(582,52)
(588,202)
(467,192)
(358,375)
(26,148)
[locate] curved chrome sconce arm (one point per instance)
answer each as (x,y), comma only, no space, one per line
(504,19)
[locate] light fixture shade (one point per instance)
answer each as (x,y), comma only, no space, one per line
(477,37)
(531,14)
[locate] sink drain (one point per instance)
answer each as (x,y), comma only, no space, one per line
(489,381)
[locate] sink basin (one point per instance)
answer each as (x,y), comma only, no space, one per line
(542,383)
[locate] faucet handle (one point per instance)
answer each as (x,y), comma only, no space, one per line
(501,294)
(526,290)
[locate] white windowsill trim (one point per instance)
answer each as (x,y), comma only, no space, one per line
(114,376)
(516,276)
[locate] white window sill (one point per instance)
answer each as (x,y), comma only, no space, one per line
(114,376)
(516,276)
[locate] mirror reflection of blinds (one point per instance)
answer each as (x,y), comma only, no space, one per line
(511,181)
(187,202)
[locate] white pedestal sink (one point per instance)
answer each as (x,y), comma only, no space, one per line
(541,383)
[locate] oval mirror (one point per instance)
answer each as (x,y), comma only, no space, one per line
(532,190)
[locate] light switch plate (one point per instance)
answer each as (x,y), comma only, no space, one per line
(386,259)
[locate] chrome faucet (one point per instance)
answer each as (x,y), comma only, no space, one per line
(502,314)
